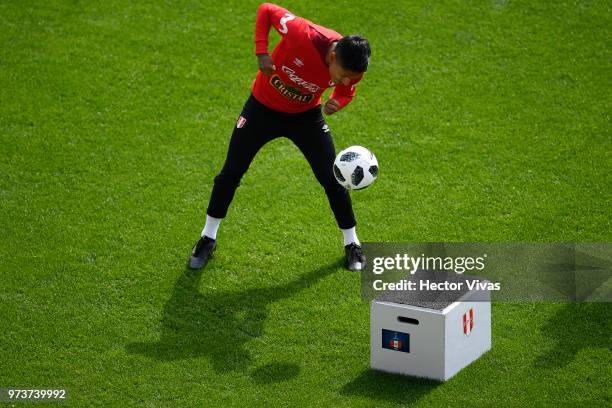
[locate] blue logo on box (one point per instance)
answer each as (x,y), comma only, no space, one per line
(397,341)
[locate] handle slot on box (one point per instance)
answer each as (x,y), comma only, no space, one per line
(408,320)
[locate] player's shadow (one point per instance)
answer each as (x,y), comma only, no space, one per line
(574,327)
(389,387)
(218,324)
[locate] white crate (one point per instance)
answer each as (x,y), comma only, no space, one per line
(439,343)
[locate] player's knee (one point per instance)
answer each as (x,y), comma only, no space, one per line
(228,179)
(332,188)
(327,180)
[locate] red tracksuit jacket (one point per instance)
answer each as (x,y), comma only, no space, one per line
(301,72)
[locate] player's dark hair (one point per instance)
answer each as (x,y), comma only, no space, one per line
(353,52)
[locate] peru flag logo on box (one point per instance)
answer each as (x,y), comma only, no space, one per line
(468,322)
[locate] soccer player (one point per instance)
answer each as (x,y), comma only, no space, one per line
(286,101)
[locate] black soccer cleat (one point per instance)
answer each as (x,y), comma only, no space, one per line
(355,259)
(202,252)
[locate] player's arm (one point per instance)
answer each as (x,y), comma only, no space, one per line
(342,96)
(270,15)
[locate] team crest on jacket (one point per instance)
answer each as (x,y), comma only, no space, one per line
(290,92)
(468,322)
(240,122)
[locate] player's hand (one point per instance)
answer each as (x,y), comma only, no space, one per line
(266,65)
(331,106)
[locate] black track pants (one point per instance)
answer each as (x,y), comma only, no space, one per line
(307,130)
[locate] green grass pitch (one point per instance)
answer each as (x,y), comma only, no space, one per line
(490,120)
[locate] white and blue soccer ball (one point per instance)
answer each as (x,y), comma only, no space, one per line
(355,168)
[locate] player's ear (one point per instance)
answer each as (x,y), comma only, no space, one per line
(332,57)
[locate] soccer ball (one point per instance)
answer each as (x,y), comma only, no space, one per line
(355,168)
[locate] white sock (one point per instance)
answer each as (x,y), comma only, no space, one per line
(211,227)
(350,236)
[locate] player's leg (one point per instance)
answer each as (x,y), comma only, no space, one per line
(312,136)
(253,129)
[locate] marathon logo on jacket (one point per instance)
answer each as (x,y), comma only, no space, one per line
(288,91)
(295,78)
